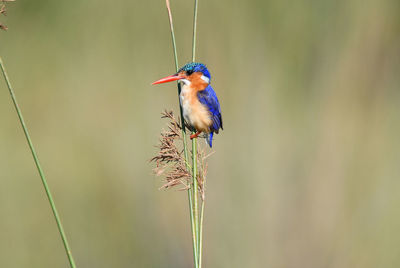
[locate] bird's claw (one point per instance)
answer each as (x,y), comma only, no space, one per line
(195,135)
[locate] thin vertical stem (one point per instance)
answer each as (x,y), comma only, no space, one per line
(179,85)
(38,166)
(195,189)
(201,224)
(194,147)
(190,191)
(194,31)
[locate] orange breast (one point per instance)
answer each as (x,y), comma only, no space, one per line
(200,116)
(195,113)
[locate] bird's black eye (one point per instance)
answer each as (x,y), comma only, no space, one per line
(189,72)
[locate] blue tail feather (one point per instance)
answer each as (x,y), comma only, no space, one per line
(210,138)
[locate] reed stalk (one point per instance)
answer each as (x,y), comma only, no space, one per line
(201,227)
(38,166)
(193,216)
(198,218)
(195,191)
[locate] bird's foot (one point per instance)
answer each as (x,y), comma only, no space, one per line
(195,135)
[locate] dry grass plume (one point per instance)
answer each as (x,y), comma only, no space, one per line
(170,161)
(3,11)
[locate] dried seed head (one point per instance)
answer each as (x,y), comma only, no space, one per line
(170,160)
(202,170)
(3,11)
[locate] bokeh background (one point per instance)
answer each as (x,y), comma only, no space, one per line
(305,174)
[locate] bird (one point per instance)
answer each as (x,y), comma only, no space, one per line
(200,106)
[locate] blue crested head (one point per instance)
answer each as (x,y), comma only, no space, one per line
(193,67)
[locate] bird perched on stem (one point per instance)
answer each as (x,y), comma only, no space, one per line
(200,105)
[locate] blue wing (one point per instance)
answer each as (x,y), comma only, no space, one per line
(208,98)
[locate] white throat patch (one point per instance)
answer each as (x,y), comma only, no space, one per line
(186,82)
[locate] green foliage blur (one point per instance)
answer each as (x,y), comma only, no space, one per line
(305,174)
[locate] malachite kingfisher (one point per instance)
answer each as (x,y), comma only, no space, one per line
(200,105)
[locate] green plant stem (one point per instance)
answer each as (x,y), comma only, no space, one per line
(195,190)
(194,153)
(194,31)
(201,224)
(38,166)
(190,194)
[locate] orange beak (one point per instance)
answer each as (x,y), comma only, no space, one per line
(170,78)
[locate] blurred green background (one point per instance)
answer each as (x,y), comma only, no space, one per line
(305,174)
